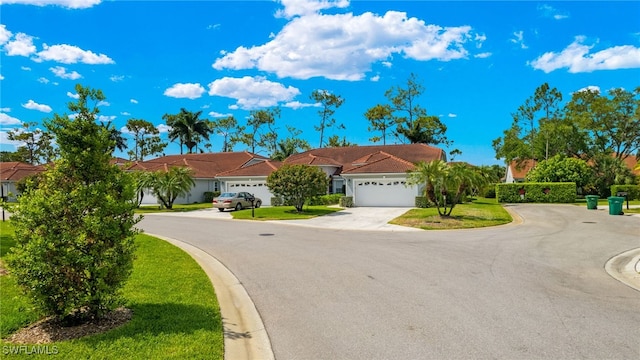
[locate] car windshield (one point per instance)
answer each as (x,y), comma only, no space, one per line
(228,195)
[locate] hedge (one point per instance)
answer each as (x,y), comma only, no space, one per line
(329,199)
(422,202)
(209,195)
(633,191)
(545,192)
(346,201)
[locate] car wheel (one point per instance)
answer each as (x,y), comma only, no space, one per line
(258,204)
(221,209)
(239,207)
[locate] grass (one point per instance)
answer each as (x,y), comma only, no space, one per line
(479,213)
(175,310)
(284,213)
(176,208)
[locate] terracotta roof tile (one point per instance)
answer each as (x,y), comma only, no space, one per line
(262,168)
(15,171)
(204,166)
(520,170)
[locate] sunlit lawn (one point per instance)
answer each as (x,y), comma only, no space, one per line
(284,213)
(176,208)
(480,213)
(175,310)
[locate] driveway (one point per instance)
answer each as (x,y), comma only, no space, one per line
(537,290)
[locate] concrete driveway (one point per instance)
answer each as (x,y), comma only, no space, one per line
(359,218)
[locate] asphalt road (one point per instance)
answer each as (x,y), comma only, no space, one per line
(537,290)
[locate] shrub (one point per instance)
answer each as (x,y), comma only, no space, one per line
(209,195)
(633,191)
(276,201)
(536,192)
(490,192)
(329,199)
(421,202)
(346,201)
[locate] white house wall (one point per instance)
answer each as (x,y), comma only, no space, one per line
(195,195)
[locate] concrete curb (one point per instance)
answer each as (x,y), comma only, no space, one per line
(625,268)
(245,336)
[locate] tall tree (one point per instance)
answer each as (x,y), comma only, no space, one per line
(533,128)
(328,104)
(119,142)
(168,185)
(146,139)
(35,145)
(188,128)
(335,141)
(227,127)
(74,230)
(612,122)
(414,124)
(290,145)
(381,119)
(261,130)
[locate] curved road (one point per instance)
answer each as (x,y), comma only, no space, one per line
(537,290)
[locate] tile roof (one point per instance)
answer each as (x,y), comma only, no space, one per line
(631,162)
(262,168)
(15,171)
(207,165)
(388,158)
(520,170)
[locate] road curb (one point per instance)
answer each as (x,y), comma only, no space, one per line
(625,267)
(245,336)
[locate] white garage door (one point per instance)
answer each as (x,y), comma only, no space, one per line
(257,188)
(384,192)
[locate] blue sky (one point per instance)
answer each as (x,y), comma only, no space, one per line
(478,61)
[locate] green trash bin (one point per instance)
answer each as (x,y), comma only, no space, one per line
(615,205)
(592,202)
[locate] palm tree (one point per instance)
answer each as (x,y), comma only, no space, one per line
(445,184)
(168,185)
(188,128)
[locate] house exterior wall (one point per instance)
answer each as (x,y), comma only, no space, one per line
(256,185)
(195,195)
(404,198)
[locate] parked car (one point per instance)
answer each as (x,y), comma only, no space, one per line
(238,201)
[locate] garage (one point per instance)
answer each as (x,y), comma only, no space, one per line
(384,192)
(257,188)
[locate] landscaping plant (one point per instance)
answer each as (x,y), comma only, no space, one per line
(74,230)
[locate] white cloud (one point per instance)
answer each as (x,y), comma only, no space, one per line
(32,105)
(375,78)
(8,120)
(344,46)
(577,59)
(519,39)
(592,88)
(43,80)
(116,78)
(105,118)
(103,103)
(551,12)
(295,105)
(1,77)
(162,128)
(61,72)
(4,140)
(72,95)
(189,91)
(451,115)
(21,45)
(253,92)
(125,113)
(482,55)
(480,39)
(5,109)
(133,101)
(71,4)
(307,7)
(5,34)
(25,68)
(69,54)
(219,115)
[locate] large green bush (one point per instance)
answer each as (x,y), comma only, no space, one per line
(536,192)
(633,191)
(209,195)
(346,201)
(421,202)
(329,199)
(74,231)
(296,184)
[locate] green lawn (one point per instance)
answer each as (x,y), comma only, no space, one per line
(175,310)
(284,213)
(176,208)
(479,213)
